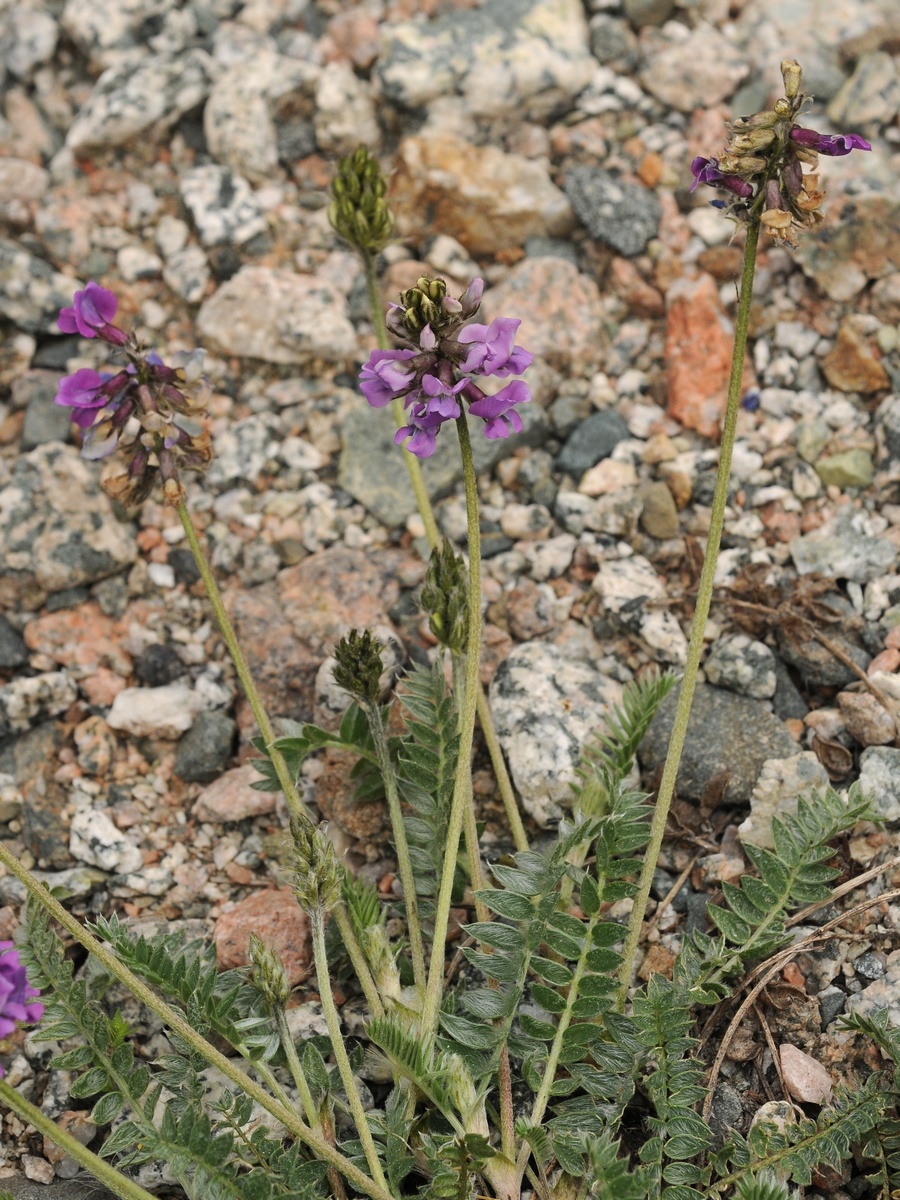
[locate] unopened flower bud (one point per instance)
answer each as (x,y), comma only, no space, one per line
(445,597)
(317,883)
(423,305)
(358,211)
(760,120)
(791,74)
(269,975)
(358,667)
(751,141)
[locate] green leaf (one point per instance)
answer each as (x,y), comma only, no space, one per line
(551,971)
(468,1033)
(506,904)
(107,1108)
(542,1030)
(602,960)
(492,933)
(93,1081)
(488,1003)
(547,998)
(590,897)
(732,926)
(73,1060)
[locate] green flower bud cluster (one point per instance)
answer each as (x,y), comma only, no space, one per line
(424,305)
(269,975)
(317,884)
(358,211)
(444,597)
(358,667)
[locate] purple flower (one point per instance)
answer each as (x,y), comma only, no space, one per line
(382,377)
(498,411)
(442,397)
(706,170)
(422,431)
(90,315)
(84,392)
(836,145)
(492,351)
(16,993)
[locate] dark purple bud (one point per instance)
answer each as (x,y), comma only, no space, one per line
(750,400)
(835,145)
(792,174)
(773,194)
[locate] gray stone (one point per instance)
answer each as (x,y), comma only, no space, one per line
(372,471)
(528,57)
(545,708)
(222,205)
(186,272)
(648,12)
(879,779)
(205,750)
(28,39)
(725,1112)
(849,468)
(243,449)
(159,664)
(345,111)
(844,548)
(864,245)
(58,528)
(870,95)
(787,702)
(623,215)
(130,99)
(742,665)
(781,782)
(44,420)
(31,291)
(887,428)
(883,993)
(831,1005)
(58,1189)
(725,733)
(103,29)
(165,712)
(278,316)
(13,651)
(670,69)
(592,440)
(817,665)
(868,966)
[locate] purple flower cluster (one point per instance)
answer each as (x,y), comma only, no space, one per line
(16,993)
(157,396)
(433,376)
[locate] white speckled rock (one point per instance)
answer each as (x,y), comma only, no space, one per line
(222,204)
(781,781)
(130,98)
(278,316)
(238,119)
(632,594)
(883,993)
(95,840)
(34,698)
(57,527)
(164,712)
(670,74)
(845,548)
(742,665)
(31,291)
(232,798)
(506,56)
(545,708)
(879,779)
(345,113)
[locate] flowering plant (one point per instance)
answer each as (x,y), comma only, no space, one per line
(762,165)
(150,411)
(17,996)
(434,374)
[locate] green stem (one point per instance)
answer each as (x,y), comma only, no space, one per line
(292,796)
(432,534)
(176,1022)
(404,863)
(103,1171)
(296,1067)
(470,825)
(462,781)
(333,1021)
(358,959)
(698,626)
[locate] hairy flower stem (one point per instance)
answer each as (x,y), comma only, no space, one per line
(470,826)
(296,805)
(462,785)
(177,1023)
(433,537)
(333,1021)
(306,1096)
(404,863)
(103,1171)
(698,626)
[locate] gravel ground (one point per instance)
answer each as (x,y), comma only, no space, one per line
(180,154)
